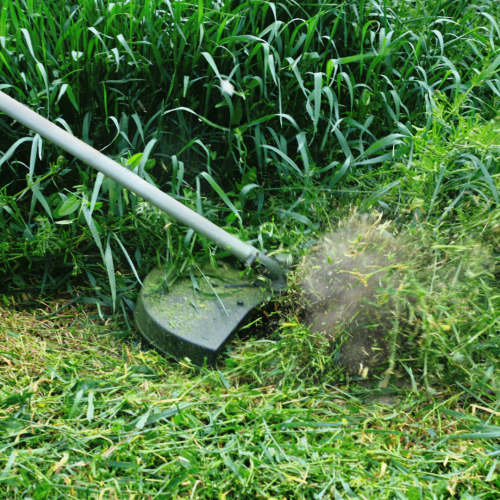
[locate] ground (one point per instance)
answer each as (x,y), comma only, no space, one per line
(87,414)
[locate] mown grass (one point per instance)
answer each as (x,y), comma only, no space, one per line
(386,106)
(90,416)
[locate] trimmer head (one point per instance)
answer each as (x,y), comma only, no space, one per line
(191,318)
(197,315)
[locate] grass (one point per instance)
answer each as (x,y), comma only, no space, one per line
(387,106)
(90,416)
(327,98)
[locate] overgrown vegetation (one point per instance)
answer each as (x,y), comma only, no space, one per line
(388,106)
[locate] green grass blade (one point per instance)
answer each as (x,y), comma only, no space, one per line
(221,193)
(128,258)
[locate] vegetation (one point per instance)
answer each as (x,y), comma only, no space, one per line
(387,106)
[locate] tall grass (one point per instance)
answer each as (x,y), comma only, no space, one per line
(327,96)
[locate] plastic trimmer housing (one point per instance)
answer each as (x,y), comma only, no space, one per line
(185,323)
(195,316)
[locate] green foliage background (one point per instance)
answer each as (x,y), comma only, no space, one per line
(327,103)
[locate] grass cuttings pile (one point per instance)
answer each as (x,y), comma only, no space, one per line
(84,416)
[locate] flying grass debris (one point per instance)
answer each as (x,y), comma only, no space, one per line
(349,284)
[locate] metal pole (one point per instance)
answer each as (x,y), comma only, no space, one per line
(127,179)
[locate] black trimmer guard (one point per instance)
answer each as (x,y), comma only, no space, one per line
(197,315)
